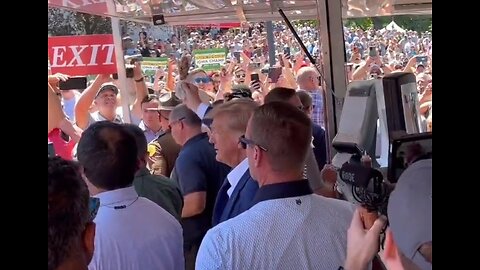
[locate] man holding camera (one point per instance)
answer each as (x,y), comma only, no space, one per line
(408,241)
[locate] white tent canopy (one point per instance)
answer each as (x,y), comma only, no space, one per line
(393,26)
(181,12)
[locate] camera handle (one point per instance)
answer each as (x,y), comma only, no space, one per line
(369,216)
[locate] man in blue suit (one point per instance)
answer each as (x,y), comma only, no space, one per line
(237,191)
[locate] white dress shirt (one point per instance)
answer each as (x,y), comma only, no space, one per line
(235,175)
(202,110)
(304,232)
(134,233)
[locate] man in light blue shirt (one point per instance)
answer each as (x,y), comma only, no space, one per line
(132,232)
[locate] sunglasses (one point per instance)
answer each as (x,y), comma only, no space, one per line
(240,76)
(244,142)
(93,205)
(203,80)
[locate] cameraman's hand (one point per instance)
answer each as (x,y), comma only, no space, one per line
(362,245)
(329,174)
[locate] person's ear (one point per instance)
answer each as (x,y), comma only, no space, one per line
(89,240)
(258,155)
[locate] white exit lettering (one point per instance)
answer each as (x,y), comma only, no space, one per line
(77,51)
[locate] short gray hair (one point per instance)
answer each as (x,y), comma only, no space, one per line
(305,72)
(190,117)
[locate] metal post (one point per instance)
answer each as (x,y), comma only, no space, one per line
(271,43)
(333,56)
(122,74)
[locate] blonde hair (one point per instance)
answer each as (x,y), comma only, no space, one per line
(237,111)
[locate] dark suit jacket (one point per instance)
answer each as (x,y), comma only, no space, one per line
(240,201)
(319,145)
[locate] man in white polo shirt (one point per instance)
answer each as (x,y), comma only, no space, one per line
(132,232)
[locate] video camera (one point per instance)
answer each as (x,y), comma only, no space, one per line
(130,60)
(368,186)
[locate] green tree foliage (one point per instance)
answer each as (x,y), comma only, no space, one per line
(362,23)
(419,23)
(66,23)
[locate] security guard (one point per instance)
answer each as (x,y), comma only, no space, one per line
(163,151)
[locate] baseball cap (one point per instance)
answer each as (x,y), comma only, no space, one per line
(107,86)
(410,211)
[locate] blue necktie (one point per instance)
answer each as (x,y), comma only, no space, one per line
(222,199)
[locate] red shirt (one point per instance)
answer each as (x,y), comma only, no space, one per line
(62,148)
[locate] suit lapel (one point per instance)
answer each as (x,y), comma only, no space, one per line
(235,195)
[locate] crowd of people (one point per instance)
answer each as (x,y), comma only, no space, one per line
(228,168)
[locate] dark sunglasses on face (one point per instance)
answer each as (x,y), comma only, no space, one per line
(244,142)
(203,80)
(240,76)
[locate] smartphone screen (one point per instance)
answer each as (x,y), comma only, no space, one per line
(421,60)
(51,150)
(274,73)
(129,72)
(372,51)
(237,56)
(73,83)
(254,77)
(286,51)
(406,149)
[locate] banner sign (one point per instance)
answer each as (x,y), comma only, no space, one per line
(82,55)
(151,64)
(209,59)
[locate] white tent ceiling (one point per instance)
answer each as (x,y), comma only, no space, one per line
(179,12)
